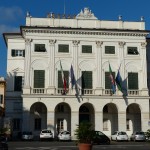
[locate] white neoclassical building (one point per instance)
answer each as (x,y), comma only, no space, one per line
(34,98)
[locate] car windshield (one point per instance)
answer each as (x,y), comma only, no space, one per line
(27,133)
(122,133)
(99,133)
(140,133)
(46,131)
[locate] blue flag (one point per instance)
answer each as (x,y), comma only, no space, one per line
(73,81)
(119,81)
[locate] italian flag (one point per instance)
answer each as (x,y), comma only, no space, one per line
(63,80)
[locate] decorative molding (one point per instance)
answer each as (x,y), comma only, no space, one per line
(28,41)
(75,42)
(143,44)
(51,41)
(78,32)
(121,43)
(99,43)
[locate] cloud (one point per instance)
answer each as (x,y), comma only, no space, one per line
(7,29)
(8,14)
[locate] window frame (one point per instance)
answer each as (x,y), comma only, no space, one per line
(17,53)
(109,46)
(39,50)
(36,83)
(66,47)
(134,86)
(85,51)
(134,50)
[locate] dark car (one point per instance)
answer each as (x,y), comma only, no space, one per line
(27,135)
(100,138)
(3,143)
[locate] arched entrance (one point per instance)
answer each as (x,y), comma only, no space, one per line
(110,118)
(62,117)
(86,113)
(38,117)
(133,114)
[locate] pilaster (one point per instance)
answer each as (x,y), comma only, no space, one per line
(51,121)
(122,121)
(98,121)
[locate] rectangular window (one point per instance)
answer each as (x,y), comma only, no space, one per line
(39,78)
(39,48)
(133,81)
(86,48)
(108,84)
(109,49)
(1,99)
(63,48)
(16,124)
(37,124)
(132,51)
(60,82)
(18,83)
(87,80)
(17,53)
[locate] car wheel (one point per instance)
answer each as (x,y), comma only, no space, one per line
(116,139)
(134,140)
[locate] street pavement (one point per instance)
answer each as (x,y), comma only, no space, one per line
(52,145)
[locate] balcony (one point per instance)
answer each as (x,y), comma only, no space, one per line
(60,91)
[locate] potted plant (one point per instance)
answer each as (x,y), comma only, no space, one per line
(84,134)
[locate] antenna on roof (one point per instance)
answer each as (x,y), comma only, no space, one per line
(64,7)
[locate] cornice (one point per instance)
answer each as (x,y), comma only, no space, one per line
(85,32)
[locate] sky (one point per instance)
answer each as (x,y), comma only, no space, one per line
(13,13)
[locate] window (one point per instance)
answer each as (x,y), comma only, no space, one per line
(63,48)
(133,81)
(18,83)
(37,124)
(16,124)
(39,48)
(108,84)
(86,49)
(1,99)
(16,53)
(60,82)
(39,78)
(87,80)
(132,51)
(60,125)
(109,49)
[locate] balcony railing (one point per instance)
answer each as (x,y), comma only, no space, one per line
(60,91)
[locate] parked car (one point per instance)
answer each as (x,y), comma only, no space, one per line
(100,138)
(3,143)
(138,136)
(64,136)
(119,136)
(46,134)
(26,135)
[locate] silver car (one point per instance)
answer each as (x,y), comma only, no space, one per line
(64,136)
(26,135)
(138,136)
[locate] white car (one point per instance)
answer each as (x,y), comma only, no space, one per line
(46,134)
(119,136)
(64,136)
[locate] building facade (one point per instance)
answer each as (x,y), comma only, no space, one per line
(34,95)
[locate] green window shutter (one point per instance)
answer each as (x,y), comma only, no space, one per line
(39,48)
(133,81)
(63,48)
(60,82)
(86,48)
(18,83)
(39,78)
(109,49)
(13,53)
(23,53)
(87,80)
(108,84)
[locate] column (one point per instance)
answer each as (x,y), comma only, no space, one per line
(98,90)
(26,121)
(99,121)
(144,69)
(51,121)
(51,84)
(122,121)
(75,59)
(74,122)
(26,89)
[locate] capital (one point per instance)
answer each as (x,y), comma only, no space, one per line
(28,41)
(99,43)
(75,42)
(121,43)
(143,44)
(52,41)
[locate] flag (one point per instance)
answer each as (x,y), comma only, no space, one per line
(119,81)
(63,80)
(72,77)
(113,86)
